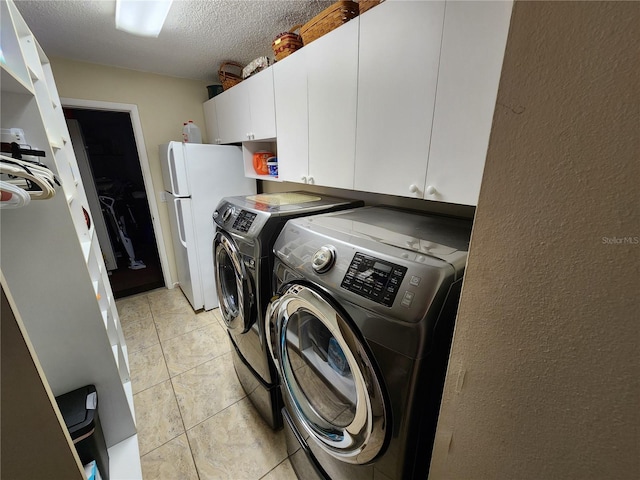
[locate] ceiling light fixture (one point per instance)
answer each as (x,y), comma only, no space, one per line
(142,17)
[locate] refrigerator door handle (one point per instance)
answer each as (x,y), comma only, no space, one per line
(172,169)
(180,222)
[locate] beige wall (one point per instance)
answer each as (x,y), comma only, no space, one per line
(164,103)
(544,373)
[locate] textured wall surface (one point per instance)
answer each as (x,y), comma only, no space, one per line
(543,381)
(164,103)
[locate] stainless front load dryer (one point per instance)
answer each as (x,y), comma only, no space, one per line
(360,331)
(246,228)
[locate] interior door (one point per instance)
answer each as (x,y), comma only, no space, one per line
(329,379)
(106,247)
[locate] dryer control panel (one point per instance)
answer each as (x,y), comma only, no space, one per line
(243,221)
(375,279)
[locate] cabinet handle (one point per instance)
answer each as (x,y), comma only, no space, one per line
(310,180)
(304,179)
(413,188)
(431,190)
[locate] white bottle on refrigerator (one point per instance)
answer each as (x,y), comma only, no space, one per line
(191,133)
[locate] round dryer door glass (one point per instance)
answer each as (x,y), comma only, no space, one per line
(227,282)
(328,376)
(320,370)
(232,284)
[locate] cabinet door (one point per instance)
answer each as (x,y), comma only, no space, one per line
(474,39)
(232,107)
(292,120)
(332,68)
(396,95)
(262,106)
(211,121)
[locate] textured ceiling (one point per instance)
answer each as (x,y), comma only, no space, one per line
(197,36)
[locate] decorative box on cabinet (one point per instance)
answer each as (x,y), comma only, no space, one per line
(51,258)
(246,112)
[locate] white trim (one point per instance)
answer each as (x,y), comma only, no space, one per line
(144,165)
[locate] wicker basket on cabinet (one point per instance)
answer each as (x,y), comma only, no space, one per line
(229,79)
(328,19)
(286,43)
(365,5)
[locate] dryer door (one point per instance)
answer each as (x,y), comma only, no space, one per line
(328,375)
(233,284)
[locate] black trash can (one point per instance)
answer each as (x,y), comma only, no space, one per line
(79,409)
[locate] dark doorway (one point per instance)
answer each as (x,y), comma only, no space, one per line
(127,239)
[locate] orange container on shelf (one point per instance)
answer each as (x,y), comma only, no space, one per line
(260,159)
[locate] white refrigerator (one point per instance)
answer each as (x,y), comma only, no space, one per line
(196,177)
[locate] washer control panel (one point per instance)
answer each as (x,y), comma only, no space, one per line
(243,221)
(375,279)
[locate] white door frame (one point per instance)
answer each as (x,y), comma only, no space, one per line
(132,110)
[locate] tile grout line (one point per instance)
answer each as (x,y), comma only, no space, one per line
(283,460)
(172,391)
(220,411)
(175,398)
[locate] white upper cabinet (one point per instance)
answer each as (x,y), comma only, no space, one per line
(474,40)
(246,111)
(399,101)
(234,118)
(292,117)
(211,121)
(398,72)
(262,105)
(332,80)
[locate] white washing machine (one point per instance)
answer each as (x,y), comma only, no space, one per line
(360,331)
(247,227)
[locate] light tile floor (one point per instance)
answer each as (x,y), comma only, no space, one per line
(194,420)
